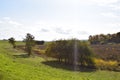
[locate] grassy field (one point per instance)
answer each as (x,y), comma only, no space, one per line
(15,65)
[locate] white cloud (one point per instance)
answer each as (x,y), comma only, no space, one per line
(97,2)
(109,14)
(60,30)
(50,31)
(104,1)
(115,7)
(1,22)
(44,30)
(11,28)
(6,18)
(14,23)
(83,33)
(115,25)
(63,31)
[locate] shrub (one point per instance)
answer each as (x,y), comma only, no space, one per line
(105,65)
(38,51)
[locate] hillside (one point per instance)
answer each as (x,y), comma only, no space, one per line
(107,52)
(15,65)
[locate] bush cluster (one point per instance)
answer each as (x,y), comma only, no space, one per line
(106,65)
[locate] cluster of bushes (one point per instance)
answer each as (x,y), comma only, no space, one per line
(103,39)
(106,65)
(71,52)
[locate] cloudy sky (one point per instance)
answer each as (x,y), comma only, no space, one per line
(58,19)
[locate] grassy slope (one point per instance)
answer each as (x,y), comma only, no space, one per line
(19,68)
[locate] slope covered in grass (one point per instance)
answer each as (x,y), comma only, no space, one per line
(15,65)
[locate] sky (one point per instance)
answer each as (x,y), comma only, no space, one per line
(58,19)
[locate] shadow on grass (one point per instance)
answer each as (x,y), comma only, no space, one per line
(1,76)
(61,65)
(21,56)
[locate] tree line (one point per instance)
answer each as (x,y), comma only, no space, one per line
(104,39)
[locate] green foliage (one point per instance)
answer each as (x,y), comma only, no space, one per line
(71,51)
(86,54)
(29,43)
(12,41)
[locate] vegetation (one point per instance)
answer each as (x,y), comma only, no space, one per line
(106,65)
(39,42)
(103,39)
(29,43)
(15,65)
(107,52)
(71,51)
(12,41)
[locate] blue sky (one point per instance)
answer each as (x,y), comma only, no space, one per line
(58,19)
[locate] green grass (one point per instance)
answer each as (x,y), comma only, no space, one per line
(15,66)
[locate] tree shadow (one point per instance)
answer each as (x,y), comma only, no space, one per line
(69,67)
(21,56)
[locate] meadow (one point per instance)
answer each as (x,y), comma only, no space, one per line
(15,65)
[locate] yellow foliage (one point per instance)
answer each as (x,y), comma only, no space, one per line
(39,51)
(102,64)
(42,51)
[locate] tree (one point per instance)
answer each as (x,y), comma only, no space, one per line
(71,51)
(86,55)
(29,43)
(12,41)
